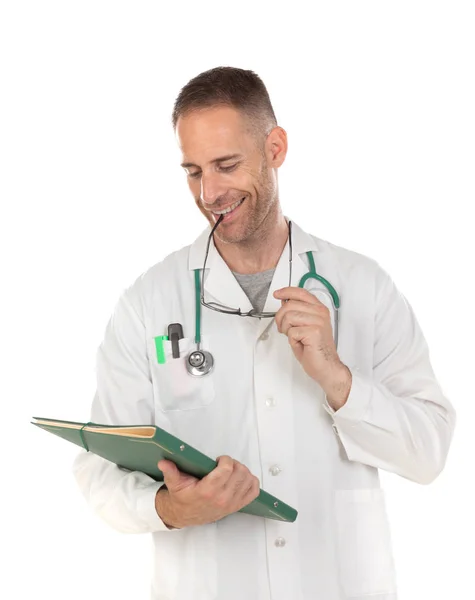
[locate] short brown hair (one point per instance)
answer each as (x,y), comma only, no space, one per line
(241,89)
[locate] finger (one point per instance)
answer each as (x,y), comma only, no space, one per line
(239,476)
(220,475)
(301,335)
(296,293)
(171,474)
(302,307)
(297,305)
(252,492)
(300,319)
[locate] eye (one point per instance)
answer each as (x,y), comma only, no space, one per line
(223,169)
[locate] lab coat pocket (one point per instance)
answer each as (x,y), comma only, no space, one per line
(364,543)
(174,388)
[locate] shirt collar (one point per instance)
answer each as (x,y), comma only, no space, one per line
(301,242)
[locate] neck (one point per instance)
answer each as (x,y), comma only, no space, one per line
(261,251)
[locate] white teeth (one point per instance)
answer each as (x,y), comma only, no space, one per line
(228,210)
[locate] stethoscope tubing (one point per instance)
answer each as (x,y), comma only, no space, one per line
(207,361)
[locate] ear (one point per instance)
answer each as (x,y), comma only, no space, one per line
(276,147)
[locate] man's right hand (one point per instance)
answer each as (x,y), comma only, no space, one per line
(188,501)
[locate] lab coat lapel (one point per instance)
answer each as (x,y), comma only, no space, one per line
(301,243)
(220,284)
(324,265)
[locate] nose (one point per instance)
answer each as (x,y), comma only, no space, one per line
(211,188)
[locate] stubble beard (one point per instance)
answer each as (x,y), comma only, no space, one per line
(250,224)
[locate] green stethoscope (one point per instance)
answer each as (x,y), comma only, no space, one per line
(200,362)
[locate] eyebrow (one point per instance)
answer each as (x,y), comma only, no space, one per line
(214,161)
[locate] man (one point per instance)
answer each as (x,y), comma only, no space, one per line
(296,405)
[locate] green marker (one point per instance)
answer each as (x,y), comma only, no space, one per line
(160,349)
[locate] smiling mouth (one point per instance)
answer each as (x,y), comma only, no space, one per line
(229,209)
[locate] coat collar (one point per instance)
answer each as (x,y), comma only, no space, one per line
(221,285)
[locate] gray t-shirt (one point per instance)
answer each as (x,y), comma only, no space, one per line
(256,286)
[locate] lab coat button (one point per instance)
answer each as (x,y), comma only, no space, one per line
(275,470)
(270,402)
(280,542)
(334,427)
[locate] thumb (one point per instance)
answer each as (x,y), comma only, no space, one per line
(170,471)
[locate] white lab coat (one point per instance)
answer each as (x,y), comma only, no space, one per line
(261,408)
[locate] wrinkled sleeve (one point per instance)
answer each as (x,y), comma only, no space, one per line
(399,419)
(124,396)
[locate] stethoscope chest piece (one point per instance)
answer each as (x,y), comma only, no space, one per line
(199,363)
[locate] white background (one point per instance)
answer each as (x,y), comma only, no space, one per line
(378,102)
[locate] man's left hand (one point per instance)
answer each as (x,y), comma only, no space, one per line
(306,322)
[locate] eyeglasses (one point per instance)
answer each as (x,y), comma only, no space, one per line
(237,311)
